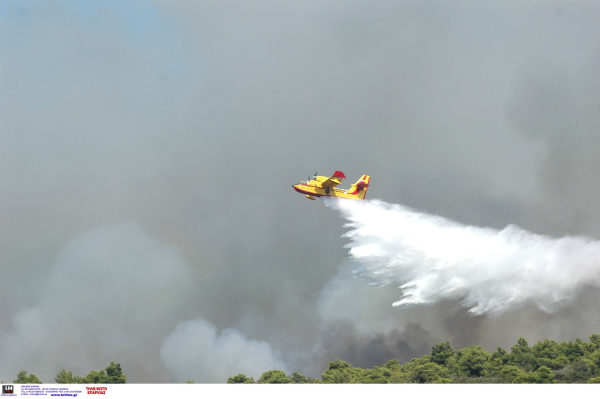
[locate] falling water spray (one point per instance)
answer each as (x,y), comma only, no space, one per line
(434,259)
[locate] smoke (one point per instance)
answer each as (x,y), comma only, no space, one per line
(195,351)
(114,294)
(343,340)
(434,259)
(111,295)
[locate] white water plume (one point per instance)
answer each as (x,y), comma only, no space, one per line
(434,259)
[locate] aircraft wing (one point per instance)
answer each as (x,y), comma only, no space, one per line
(334,180)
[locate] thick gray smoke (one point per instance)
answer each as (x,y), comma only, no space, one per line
(113,292)
(434,259)
(116,292)
(196,351)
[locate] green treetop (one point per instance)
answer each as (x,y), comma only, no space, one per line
(441,352)
(472,359)
(23,378)
(64,377)
(240,379)
(274,377)
(113,374)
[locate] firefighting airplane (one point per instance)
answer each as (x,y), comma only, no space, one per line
(322,186)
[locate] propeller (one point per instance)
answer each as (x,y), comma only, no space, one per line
(315,175)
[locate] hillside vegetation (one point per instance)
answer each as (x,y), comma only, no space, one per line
(545,363)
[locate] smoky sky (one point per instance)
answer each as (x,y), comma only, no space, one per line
(168,134)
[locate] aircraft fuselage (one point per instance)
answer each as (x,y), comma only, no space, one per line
(315,188)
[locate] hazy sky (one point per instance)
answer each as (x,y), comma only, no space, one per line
(147,153)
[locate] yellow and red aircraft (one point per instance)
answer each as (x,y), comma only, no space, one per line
(322,186)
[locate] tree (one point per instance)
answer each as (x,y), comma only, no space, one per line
(509,373)
(338,365)
(23,378)
(525,378)
(115,374)
(578,371)
(543,375)
(595,340)
(441,352)
(110,375)
(573,350)
(338,377)
(64,377)
(240,379)
(427,373)
(377,375)
(274,377)
(595,357)
(340,372)
(393,365)
(548,349)
(95,377)
(298,378)
(452,365)
(548,353)
(522,355)
(472,360)
(501,356)
(398,378)
(552,364)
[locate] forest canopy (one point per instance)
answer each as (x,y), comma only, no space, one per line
(545,362)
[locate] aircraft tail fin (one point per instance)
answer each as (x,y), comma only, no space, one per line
(360,187)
